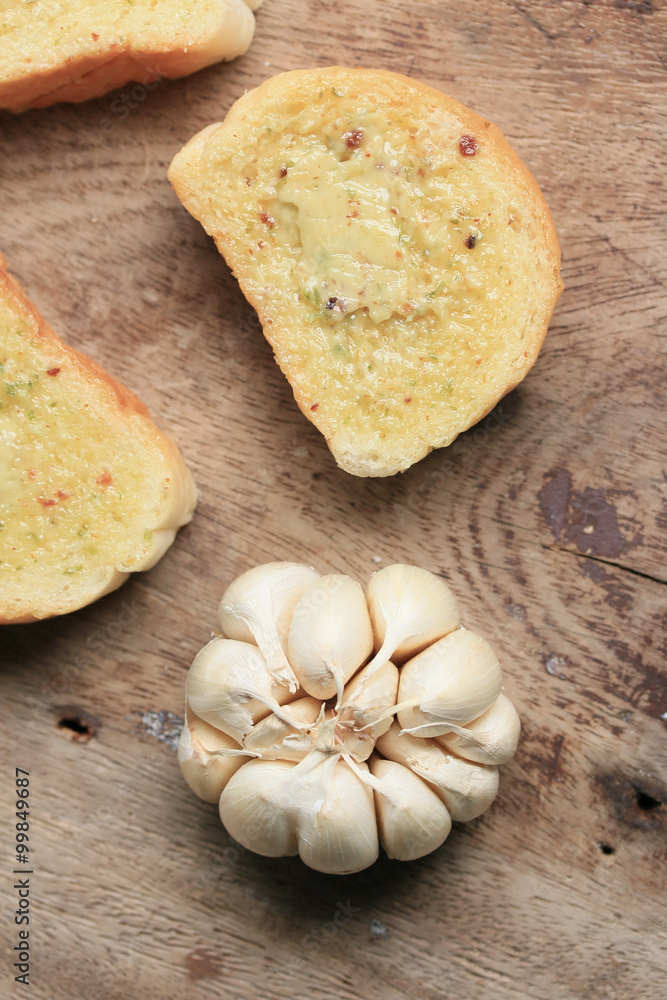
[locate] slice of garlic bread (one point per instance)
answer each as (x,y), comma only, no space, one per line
(401,258)
(90,489)
(73,51)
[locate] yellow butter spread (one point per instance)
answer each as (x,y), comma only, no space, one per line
(400,257)
(73,479)
(397,261)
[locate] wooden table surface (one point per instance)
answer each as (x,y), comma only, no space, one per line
(548,521)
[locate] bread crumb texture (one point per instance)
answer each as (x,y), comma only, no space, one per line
(401,258)
(90,489)
(72,50)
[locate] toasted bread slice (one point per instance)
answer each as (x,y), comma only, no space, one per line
(90,489)
(73,51)
(401,258)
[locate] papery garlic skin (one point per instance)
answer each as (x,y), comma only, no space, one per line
(274,738)
(467,789)
(353,727)
(453,681)
(410,608)
(412,820)
(492,738)
(330,636)
(258,608)
(207,757)
(368,696)
(229,686)
(336,737)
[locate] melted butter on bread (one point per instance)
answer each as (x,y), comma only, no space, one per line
(90,489)
(402,260)
(73,50)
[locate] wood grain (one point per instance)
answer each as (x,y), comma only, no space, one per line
(559,891)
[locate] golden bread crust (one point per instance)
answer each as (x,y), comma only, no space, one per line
(104,48)
(206,176)
(22,594)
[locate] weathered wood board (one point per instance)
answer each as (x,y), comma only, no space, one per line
(548,521)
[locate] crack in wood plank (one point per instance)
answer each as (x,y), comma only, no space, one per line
(555,547)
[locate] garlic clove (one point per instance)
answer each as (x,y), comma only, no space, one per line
(330,636)
(453,681)
(412,820)
(207,757)
(336,825)
(252,808)
(492,738)
(368,697)
(229,686)
(258,607)
(274,738)
(410,608)
(467,789)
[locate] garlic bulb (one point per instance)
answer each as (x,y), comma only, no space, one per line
(258,607)
(467,789)
(207,757)
(453,681)
(412,821)
(410,608)
(322,654)
(492,738)
(311,748)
